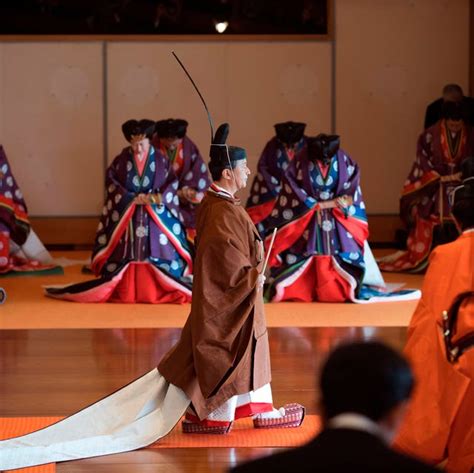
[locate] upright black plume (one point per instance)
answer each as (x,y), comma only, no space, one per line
(209,118)
(221,156)
(221,135)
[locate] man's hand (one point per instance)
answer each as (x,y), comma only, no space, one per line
(261,281)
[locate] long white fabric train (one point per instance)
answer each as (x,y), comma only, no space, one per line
(133,417)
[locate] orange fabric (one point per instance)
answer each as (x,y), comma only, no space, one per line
(16,426)
(439,422)
(242,435)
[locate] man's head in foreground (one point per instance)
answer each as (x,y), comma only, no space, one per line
(368,379)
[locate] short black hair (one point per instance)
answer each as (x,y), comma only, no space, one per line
(367,378)
(216,169)
(452,88)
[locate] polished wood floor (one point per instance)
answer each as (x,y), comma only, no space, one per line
(56,372)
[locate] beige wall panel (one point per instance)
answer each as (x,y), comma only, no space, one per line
(392,59)
(274,82)
(145,81)
(52,124)
(251,85)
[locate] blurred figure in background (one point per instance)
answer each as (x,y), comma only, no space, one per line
(451,93)
(424,204)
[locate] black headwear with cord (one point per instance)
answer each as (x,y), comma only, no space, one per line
(462,197)
(137,130)
(222,155)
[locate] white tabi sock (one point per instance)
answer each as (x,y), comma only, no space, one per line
(275,414)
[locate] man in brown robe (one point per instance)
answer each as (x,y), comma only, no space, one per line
(222,360)
(221,365)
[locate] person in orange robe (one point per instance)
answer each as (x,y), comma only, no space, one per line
(439,426)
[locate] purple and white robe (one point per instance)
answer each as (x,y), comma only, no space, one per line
(321,253)
(141,252)
(191,171)
(272,165)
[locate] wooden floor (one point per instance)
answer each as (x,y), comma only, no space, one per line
(56,372)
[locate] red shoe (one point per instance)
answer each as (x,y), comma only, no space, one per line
(294,415)
(197,428)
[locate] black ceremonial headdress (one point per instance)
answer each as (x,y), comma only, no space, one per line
(135,130)
(323,147)
(221,154)
(171,128)
(289,133)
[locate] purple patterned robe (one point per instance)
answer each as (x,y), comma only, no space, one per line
(304,232)
(421,189)
(424,204)
(129,234)
(272,165)
(191,171)
(13,211)
(142,239)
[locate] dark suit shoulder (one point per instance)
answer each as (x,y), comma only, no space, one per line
(338,451)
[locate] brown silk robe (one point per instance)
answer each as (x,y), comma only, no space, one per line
(223,349)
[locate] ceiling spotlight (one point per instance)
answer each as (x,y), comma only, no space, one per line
(221,26)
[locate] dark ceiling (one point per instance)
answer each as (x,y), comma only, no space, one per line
(162,16)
